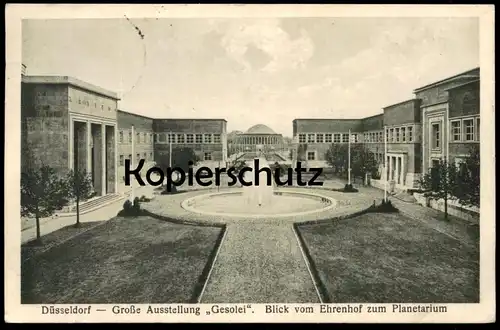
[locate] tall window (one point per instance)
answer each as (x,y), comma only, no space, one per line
(189,138)
(121,160)
(410,134)
(328,138)
(121,136)
(336,138)
(207,156)
(311,155)
(469,129)
(310,138)
(354,138)
(478,131)
(436,136)
(129,137)
(302,138)
(170,138)
(180,138)
(207,138)
(216,138)
(345,137)
(391,135)
(138,157)
(137,138)
(403,134)
(319,138)
(456,130)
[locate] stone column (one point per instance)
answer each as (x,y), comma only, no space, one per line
(89,149)
(390,168)
(397,158)
(116,157)
(103,159)
(403,170)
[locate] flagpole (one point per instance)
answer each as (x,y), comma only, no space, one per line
(132,194)
(385,164)
(349,160)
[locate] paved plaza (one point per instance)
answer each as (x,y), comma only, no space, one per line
(262,259)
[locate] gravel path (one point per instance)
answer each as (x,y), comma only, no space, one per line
(260,263)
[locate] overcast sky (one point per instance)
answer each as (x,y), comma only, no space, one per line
(251,71)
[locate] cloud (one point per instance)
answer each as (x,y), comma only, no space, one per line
(267,36)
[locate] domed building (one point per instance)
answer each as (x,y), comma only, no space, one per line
(257,138)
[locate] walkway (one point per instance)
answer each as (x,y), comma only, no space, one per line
(260,263)
(49,225)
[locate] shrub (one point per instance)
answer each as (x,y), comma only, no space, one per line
(349,188)
(384,207)
(131,209)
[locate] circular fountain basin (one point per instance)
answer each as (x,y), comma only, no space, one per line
(233,204)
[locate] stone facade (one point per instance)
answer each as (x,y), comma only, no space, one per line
(442,121)
(437,118)
(69,124)
(207,138)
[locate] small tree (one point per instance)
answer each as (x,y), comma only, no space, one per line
(80,188)
(441,183)
(42,193)
(469,179)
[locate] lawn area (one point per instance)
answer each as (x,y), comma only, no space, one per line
(125,260)
(390,258)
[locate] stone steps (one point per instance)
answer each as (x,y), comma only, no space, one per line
(96,203)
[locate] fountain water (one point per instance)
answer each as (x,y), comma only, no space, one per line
(261,194)
(258,201)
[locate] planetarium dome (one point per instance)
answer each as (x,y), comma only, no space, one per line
(260,129)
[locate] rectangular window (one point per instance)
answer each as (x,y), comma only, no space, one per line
(199,138)
(216,138)
(130,137)
(410,133)
(328,138)
(207,156)
(122,160)
(456,130)
(180,138)
(121,136)
(310,138)
(302,138)
(391,135)
(403,134)
(336,137)
(345,137)
(208,138)
(319,138)
(171,138)
(354,138)
(189,138)
(469,129)
(436,136)
(310,155)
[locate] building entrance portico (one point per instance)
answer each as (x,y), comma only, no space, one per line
(93,149)
(396,168)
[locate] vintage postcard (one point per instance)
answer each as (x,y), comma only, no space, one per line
(249,163)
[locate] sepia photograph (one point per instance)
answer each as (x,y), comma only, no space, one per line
(330,162)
